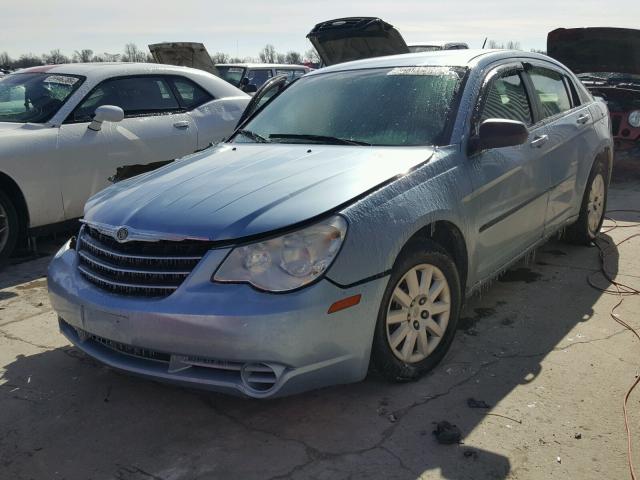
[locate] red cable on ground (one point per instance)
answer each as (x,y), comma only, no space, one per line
(621,290)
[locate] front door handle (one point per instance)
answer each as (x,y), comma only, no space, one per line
(184,124)
(539,141)
(582,119)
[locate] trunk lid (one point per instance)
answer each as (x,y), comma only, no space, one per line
(183,54)
(596,49)
(355,38)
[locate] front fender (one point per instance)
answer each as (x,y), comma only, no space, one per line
(383,222)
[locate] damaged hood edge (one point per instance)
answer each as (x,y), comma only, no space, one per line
(224,194)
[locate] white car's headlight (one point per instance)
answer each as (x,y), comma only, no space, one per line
(634,119)
(287,262)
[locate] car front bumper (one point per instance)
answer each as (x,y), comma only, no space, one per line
(222,337)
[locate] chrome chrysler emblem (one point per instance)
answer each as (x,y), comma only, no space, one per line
(122,234)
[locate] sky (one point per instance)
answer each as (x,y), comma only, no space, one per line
(242,28)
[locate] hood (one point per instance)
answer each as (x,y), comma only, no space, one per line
(355,38)
(239,190)
(596,49)
(183,54)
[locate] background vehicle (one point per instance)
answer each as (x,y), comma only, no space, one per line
(183,54)
(65,130)
(355,38)
(607,60)
(249,77)
(435,46)
(345,221)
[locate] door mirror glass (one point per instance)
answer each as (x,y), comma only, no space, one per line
(106,113)
(499,133)
(250,88)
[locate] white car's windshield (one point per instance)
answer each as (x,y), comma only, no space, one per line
(399,106)
(34,97)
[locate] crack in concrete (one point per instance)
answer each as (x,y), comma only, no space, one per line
(9,336)
(124,472)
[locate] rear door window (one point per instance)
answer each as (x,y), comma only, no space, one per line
(137,96)
(190,94)
(551,90)
(507,98)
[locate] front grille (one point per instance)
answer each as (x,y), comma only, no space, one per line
(150,269)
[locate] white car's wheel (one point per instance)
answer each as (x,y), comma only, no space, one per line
(418,314)
(8,227)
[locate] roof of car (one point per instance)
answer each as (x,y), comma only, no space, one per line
(445,58)
(104,67)
(260,65)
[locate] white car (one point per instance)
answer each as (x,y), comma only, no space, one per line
(67,130)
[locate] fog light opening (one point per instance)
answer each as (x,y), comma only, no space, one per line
(258,377)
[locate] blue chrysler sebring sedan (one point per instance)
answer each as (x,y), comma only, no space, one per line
(341,227)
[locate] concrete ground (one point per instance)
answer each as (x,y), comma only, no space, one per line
(538,347)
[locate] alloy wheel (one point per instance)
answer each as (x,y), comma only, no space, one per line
(595,206)
(418,313)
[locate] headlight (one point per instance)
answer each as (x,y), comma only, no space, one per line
(634,119)
(287,262)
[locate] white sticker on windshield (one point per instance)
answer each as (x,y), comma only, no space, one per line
(64,79)
(430,71)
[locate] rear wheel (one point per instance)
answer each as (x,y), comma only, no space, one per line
(418,315)
(8,227)
(593,207)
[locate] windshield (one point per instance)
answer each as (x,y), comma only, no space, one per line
(401,106)
(233,75)
(34,97)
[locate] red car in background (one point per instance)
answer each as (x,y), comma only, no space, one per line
(607,61)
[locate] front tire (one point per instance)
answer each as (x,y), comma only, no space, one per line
(593,207)
(418,314)
(8,227)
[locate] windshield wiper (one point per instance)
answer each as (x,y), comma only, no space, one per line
(253,136)
(319,139)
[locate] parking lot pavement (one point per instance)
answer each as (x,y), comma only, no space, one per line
(538,346)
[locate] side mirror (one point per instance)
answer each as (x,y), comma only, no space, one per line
(106,113)
(499,133)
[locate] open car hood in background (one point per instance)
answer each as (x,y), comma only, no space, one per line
(601,49)
(183,54)
(355,38)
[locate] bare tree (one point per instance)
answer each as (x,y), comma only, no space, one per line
(83,56)
(280,57)
(220,57)
(511,45)
(55,57)
(312,56)
(5,60)
(27,60)
(133,54)
(268,54)
(293,58)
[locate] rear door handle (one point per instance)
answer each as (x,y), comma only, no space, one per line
(183,124)
(539,141)
(582,119)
